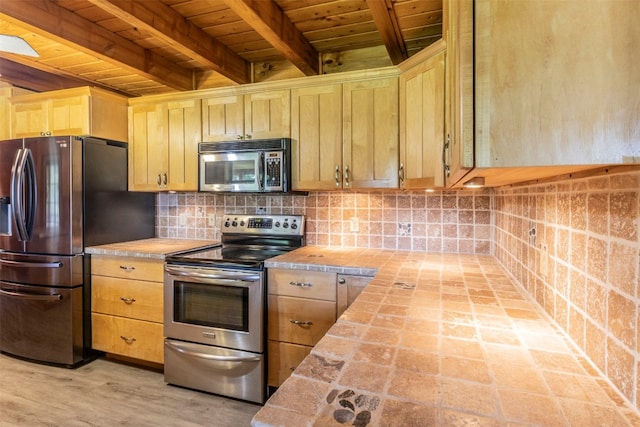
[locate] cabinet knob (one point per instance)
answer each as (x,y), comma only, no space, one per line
(341,281)
(128,340)
(127,300)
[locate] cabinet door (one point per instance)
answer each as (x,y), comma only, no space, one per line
(284,358)
(223,118)
(557,94)
(69,116)
(29,119)
(147,147)
(183,135)
(459,142)
(422,125)
(316,133)
(267,114)
(370,134)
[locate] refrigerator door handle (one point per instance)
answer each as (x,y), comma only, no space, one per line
(16,194)
(32,192)
(23,170)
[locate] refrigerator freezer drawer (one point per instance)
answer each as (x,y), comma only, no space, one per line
(46,270)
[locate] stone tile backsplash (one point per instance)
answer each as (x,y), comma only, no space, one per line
(574,246)
(448,221)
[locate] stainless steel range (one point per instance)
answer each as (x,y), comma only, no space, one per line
(215,307)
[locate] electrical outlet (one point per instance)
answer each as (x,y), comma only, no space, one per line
(543,266)
(354,224)
(211,220)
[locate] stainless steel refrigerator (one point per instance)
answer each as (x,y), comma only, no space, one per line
(57,196)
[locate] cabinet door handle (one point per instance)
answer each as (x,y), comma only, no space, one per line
(301,322)
(401,173)
(301,284)
(128,340)
(128,300)
(164,179)
(127,268)
(247,136)
(239,137)
(346,176)
(445,147)
(159,180)
(337,176)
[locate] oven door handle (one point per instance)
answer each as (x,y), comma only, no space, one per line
(208,356)
(211,276)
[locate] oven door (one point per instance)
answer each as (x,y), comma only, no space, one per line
(240,171)
(215,306)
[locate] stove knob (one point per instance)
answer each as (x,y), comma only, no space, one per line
(234,223)
(227,224)
(241,223)
(285,225)
(294,226)
(277,224)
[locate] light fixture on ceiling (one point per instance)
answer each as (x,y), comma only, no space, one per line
(475,182)
(15,44)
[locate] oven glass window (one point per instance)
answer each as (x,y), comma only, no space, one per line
(218,306)
(225,172)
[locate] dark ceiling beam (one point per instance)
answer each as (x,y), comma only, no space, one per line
(387,23)
(268,20)
(174,29)
(41,80)
(45,18)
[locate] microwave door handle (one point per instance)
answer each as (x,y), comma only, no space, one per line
(261,171)
(17,182)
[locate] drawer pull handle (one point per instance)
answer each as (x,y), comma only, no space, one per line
(127,300)
(292,368)
(127,268)
(128,340)
(301,284)
(301,322)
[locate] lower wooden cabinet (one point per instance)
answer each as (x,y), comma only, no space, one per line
(302,308)
(127,307)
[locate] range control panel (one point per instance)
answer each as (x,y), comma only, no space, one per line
(288,225)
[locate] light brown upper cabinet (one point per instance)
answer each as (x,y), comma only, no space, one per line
(163,148)
(236,115)
(316,133)
(370,134)
(550,97)
(422,88)
(6,93)
(78,111)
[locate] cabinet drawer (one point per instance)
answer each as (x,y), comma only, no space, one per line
(302,283)
(132,338)
(128,267)
(283,359)
(299,320)
(128,298)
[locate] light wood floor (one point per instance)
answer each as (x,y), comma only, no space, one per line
(107,393)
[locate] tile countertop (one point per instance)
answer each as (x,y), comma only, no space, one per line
(438,340)
(149,248)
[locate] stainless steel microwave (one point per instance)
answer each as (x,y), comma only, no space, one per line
(247,166)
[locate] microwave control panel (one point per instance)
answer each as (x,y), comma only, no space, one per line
(273,170)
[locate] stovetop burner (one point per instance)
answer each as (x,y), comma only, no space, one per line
(247,241)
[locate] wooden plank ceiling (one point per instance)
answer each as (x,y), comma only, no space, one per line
(143,47)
